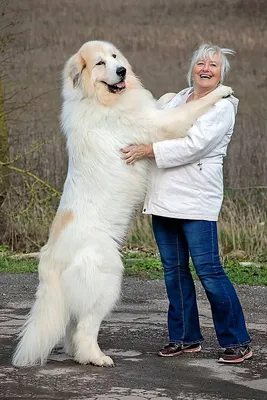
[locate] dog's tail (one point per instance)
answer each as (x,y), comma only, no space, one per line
(47,319)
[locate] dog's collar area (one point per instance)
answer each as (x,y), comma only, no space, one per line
(117,87)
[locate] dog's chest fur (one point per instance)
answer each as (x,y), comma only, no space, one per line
(98,179)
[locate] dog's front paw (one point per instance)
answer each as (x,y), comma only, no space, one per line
(224,91)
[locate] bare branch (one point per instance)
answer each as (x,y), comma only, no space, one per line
(24,256)
(35,148)
(30,174)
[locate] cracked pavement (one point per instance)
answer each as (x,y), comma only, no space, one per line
(131,335)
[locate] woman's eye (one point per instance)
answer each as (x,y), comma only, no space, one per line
(101,63)
(114,55)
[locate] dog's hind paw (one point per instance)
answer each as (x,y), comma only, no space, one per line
(101,361)
(105,361)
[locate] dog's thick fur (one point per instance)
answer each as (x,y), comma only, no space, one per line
(80,267)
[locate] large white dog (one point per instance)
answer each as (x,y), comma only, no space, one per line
(105,109)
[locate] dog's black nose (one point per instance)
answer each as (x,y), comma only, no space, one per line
(121,71)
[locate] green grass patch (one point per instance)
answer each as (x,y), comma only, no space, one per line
(254,274)
(142,264)
(148,265)
(11,266)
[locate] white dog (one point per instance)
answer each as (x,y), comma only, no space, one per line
(105,109)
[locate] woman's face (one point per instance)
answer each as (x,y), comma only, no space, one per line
(207,73)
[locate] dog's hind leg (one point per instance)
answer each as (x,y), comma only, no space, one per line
(85,339)
(92,284)
(69,347)
(93,309)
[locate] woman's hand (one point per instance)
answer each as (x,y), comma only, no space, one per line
(136,152)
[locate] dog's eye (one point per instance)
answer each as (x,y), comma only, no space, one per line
(100,63)
(114,55)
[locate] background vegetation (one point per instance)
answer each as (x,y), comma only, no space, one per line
(158,37)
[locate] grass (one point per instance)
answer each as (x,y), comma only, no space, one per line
(242,227)
(11,266)
(158,37)
(148,266)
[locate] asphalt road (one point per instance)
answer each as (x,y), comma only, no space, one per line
(131,335)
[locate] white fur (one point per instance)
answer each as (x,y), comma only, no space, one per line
(80,268)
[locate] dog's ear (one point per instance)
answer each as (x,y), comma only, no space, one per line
(76,68)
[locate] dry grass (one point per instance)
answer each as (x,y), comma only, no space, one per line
(30,210)
(158,37)
(29,214)
(242,228)
(243,225)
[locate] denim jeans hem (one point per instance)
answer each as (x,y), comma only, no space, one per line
(237,344)
(186,343)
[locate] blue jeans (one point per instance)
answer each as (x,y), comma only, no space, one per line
(176,239)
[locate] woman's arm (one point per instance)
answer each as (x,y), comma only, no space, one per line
(203,137)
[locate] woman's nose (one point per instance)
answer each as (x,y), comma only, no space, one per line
(206,66)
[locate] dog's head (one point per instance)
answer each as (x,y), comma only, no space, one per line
(98,69)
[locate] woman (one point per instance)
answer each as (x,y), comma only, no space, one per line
(184,197)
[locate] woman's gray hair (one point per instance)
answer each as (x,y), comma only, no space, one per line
(207,50)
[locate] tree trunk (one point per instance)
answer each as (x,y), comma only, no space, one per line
(4,157)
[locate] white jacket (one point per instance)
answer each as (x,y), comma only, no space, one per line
(186,180)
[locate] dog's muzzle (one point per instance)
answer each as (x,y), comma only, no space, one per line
(119,86)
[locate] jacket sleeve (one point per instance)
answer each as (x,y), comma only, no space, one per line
(202,138)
